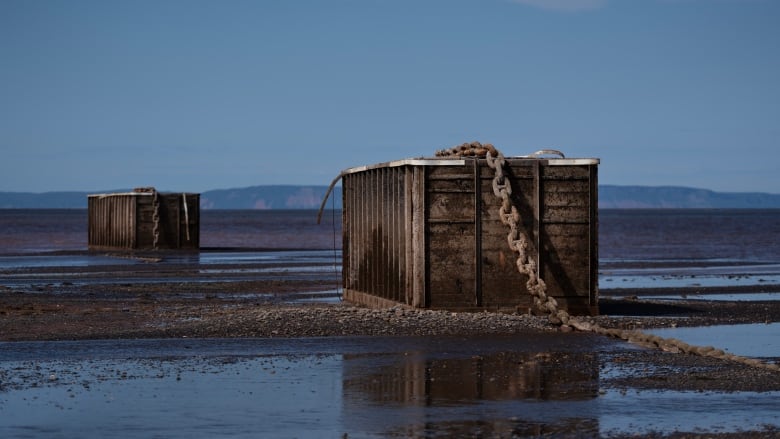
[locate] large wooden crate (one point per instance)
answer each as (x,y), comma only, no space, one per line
(127,221)
(426,233)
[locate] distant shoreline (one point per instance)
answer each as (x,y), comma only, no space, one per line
(292,197)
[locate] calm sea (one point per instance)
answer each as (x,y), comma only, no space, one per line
(746,235)
(46,230)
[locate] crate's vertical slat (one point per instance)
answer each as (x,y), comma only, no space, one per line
(593,257)
(105,226)
(477,233)
(357,230)
(345,236)
(125,225)
(353,219)
(419,238)
(348,227)
(112,224)
(94,205)
(365,237)
(121,223)
(102,223)
(97,223)
(357,245)
(369,267)
(107,219)
(376,246)
(408,184)
(391,237)
(126,221)
(390,219)
(133,240)
(116,222)
(400,236)
(381,232)
(357,254)
(538,214)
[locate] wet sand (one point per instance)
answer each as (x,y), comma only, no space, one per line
(232,296)
(285,294)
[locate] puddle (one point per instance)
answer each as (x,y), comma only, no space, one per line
(690,277)
(326,296)
(23,271)
(725,297)
(281,270)
(302,257)
(749,340)
(360,386)
(671,411)
(685,281)
(16,262)
(284,257)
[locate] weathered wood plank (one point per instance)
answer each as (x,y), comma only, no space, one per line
(437,242)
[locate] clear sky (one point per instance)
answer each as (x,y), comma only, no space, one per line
(190,95)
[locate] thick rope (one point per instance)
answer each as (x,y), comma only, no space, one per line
(518,243)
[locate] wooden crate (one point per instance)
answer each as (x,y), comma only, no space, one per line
(126,221)
(426,233)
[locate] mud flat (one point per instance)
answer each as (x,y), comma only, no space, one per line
(264,338)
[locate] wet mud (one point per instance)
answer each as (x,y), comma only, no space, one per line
(265,334)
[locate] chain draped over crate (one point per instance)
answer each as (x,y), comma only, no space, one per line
(156,214)
(155,218)
(518,243)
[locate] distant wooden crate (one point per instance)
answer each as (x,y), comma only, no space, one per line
(127,221)
(426,233)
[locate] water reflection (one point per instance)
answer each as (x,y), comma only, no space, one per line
(402,387)
(490,395)
(520,386)
(421,380)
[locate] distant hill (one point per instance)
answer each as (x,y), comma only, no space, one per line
(632,197)
(47,200)
(269,197)
(310,197)
(255,197)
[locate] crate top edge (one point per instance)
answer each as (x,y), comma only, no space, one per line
(462,162)
(140,194)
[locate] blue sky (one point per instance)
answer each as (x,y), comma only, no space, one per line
(195,95)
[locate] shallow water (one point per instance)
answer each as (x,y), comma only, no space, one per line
(365,387)
(749,340)
(206,266)
(376,387)
(732,297)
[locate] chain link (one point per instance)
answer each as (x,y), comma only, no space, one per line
(155,218)
(518,243)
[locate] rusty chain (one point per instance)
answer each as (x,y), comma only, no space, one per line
(155,218)
(518,243)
